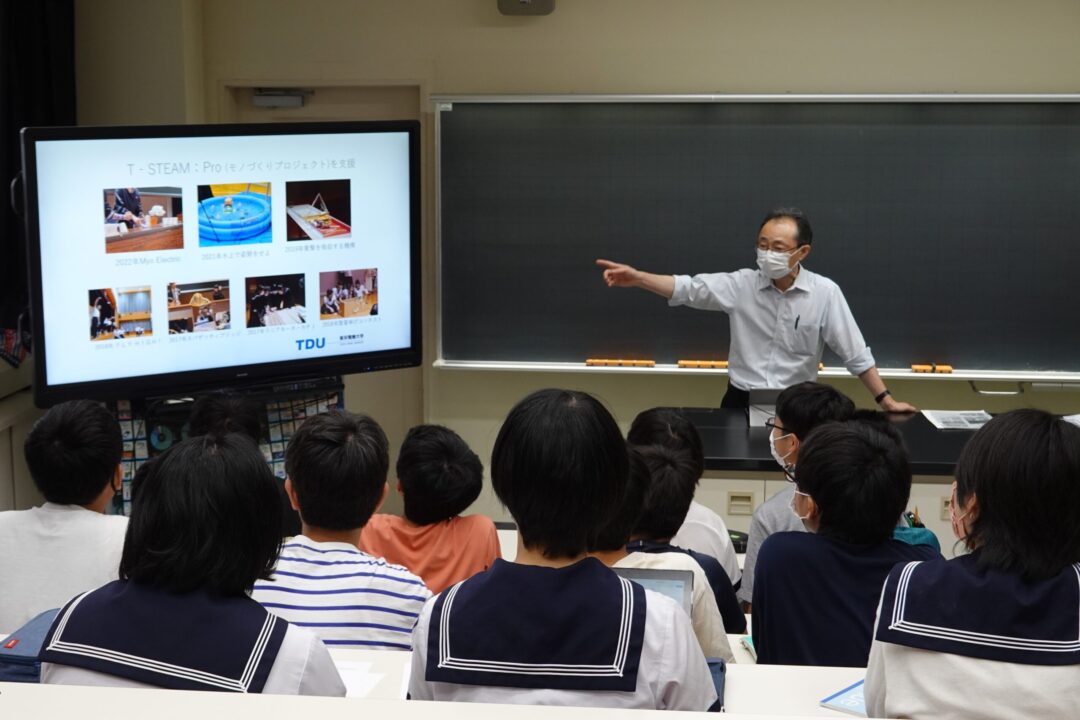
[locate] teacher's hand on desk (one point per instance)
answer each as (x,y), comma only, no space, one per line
(895,406)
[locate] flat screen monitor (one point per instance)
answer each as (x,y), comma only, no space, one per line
(166,260)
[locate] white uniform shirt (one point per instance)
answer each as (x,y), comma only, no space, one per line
(672,673)
(915,683)
(777,337)
(704,531)
(704,614)
(303,666)
(53,553)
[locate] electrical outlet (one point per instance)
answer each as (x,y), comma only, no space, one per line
(946,502)
(740,503)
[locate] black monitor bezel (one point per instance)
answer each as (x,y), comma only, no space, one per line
(192,381)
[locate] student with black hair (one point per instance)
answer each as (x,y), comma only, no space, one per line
(610,549)
(223,413)
(67,545)
(992,633)
(228,412)
(673,475)
(180,618)
(815,593)
(799,409)
(439,476)
(337,464)
(557,627)
(702,529)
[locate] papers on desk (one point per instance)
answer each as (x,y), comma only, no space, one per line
(358,678)
(957,419)
(1074,419)
(850,700)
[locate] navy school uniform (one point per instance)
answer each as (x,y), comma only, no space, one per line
(815,597)
(1012,645)
(576,635)
(723,590)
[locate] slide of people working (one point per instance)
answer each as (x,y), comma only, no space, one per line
(221,251)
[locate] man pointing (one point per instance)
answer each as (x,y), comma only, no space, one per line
(782,315)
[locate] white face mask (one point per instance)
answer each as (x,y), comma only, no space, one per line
(804,518)
(957,520)
(781,460)
(774,265)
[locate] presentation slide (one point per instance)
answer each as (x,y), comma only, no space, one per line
(220,252)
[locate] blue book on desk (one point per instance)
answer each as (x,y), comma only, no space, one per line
(849,700)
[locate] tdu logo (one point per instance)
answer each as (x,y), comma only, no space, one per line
(310,344)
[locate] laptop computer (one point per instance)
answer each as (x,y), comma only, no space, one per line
(676,584)
(762,406)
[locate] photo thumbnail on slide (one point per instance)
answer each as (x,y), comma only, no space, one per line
(275,300)
(348,294)
(318,210)
(198,307)
(143,219)
(117,313)
(234,214)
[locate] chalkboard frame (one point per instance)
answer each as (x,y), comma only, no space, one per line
(445,103)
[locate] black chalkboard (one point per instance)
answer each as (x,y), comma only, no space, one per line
(953,228)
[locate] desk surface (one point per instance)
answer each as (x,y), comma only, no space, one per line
(752,691)
(730,444)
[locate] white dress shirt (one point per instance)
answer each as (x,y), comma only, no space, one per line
(704,531)
(777,337)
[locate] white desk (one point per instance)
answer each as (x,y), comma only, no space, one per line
(750,689)
(60,701)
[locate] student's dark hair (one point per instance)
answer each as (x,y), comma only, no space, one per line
(858,476)
(616,533)
(880,422)
(337,462)
(1023,467)
(206,515)
(73,451)
(805,234)
(804,406)
(226,413)
(440,475)
(673,475)
(670,428)
(559,466)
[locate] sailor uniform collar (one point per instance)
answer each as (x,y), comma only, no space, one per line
(956,607)
(191,641)
(579,627)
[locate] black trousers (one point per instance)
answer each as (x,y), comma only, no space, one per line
(735,398)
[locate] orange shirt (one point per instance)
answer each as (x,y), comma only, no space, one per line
(441,554)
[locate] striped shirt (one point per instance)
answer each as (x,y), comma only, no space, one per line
(343,595)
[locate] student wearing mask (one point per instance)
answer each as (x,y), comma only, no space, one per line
(992,633)
(799,409)
(815,593)
(557,627)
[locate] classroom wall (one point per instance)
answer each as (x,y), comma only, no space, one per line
(586,46)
